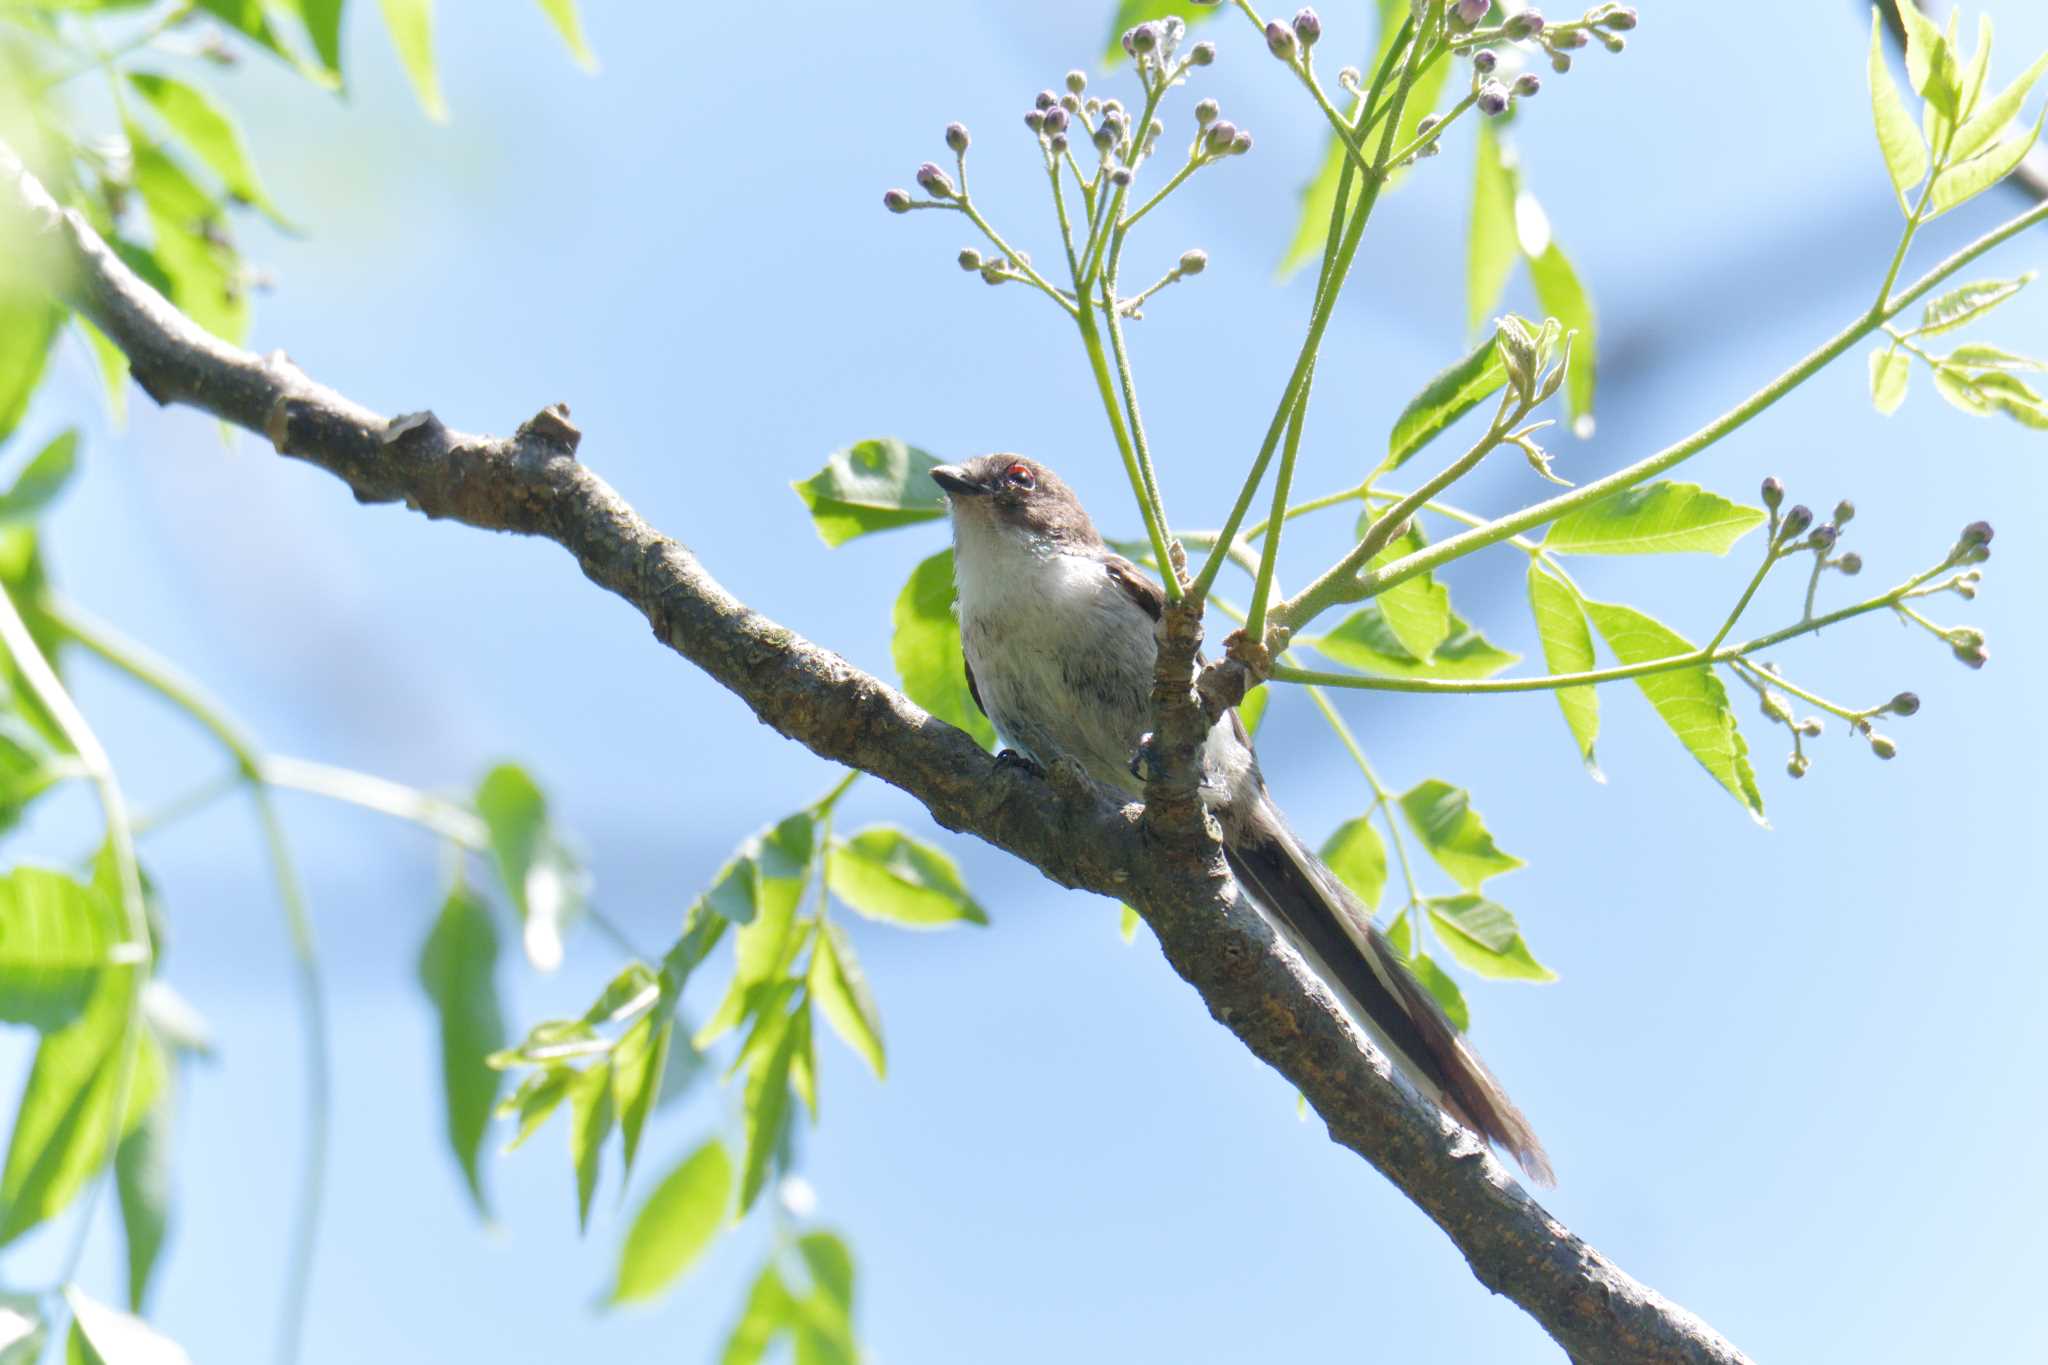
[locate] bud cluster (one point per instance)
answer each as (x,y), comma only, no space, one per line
(1605,23)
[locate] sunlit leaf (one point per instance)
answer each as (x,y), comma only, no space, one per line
(142,1180)
(886,875)
(1977,355)
(766,1112)
(769,1313)
(1491,249)
(1358,857)
(1963,182)
(1653,518)
(1996,115)
(638,1064)
(592,1116)
(675,1225)
(191,247)
(1985,392)
(206,130)
(412,32)
(323,26)
(535,1101)
(926,649)
(1418,610)
(1252,710)
(1890,369)
(1930,65)
(562,14)
(1483,938)
(1567,648)
(56,944)
(458,970)
(545,881)
(1366,642)
(1439,984)
(1966,303)
(1443,819)
(1905,155)
(1446,398)
(106,1336)
(29,323)
(873,486)
(1564,298)
(251,19)
(42,480)
(841,991)
(777,867)
(1127,923)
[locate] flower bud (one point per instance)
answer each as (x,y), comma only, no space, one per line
(991,274)
(1823,537)
(1621,20)
(1077,81)
(956,137)
(1218,140)
(1485,60)
(1966,637)
(1528,83)
(1469,12)
(1571,39)
(1350,77)
(1975,657)
(1241,144)
(1424,124)
(1560,62)
(1796,521)
(1796,766)
(1034,119)
(1977,533)
(1493,99)
(1905,704)
(1845,512)
(1613,42)
(970,259)
(1194,262)
(1811,727)
(1046,99)
(1775,707)
(1057,144)
(1883,747)
(1142,39)
(934,182)
(1206,112)
(1308,27)
(1774,492)
(1280,40)
(896,201)
(1120,177)
(1070,103)
(1104,139)
(1202,54)
(1055,120)
(1850,564)
(1527,24)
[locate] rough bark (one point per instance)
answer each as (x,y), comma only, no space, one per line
(531,483)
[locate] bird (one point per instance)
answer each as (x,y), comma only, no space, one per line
(1059,639)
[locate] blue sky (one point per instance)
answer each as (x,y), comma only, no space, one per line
(1784,1072)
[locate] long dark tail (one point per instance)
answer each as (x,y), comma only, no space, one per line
(1274,865)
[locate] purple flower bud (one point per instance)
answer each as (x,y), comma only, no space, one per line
(1621,20)
(1845,512)
(1077,81)
(1202,54)
(1796,521)
(1850,564)
(1823,537)
(1976,656)
(934,182)
(1057,143)
(956,136)
(1424,124)
(1977,533)
(1034,119)
(1046,99)
(1966,637)
(1280,40)
(1774,492)
(1571,38)
(1070,104)
(1219,138)
(1206,112)
(1528,83)
(1142,39)
(1104,139)
(1241,144)
(1883,747)
(1470,12)
(1905,704)
(1560,62)
(896,201)
(1493,99)
(1308,26)
(969,258)
(1120,177)
(1194,262)
(1055,120)
(1527,24)
(1484,60)
(1613,42)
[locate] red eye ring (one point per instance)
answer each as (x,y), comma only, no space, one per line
(1019,476)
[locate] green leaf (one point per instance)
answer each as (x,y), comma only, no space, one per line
(458,970)
(1127,923)
(1968,302)
(1930,66)
(1905,155)
(323,26)
(207,131)
(1359,859)
(778,866)
(562,14)
(1691,700)
(1483,938)
(770,1311)
(1963,182)
(412,32)
(1444,400)
(926,649)
(56,943)
(1995,117)
(592,1116)
(831,1267)
(639,1062)
(766,874)
(873,486)
(142,1179)
(249,18)
(1491,249)
(766,1106)
(1988,391)
(1653,519)
(1366,642)
(113,367)
(1564,298)
(1439,984)
(547,885)
(535,1101)
(106,1336)
(1417,611)
(44,477)
(29,323)
(1318,202)
(675,1225)
(1977,355)
(23,1331)
(1252,710)
(1890,368)
(840,989)
(1567,648)
(1131,13)
(191,247)
(1443,819)
(886,875)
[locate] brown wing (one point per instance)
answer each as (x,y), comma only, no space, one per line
(1149,596)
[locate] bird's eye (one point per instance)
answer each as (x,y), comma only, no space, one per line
(1020,477)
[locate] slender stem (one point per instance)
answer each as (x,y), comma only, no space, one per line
(1179,177)
(1763,570)
(1423,140)
(1891,274)
(1141,450)
(1762,679)
(1302,509)
(830,799)
(1382,800)
(1105,385)
(1283,487)
(446,818)
(1010,253)
(1499,529)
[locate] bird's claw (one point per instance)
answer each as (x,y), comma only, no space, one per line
(1145,762)
(1011,758)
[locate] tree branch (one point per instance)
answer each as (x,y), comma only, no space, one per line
(1073,832)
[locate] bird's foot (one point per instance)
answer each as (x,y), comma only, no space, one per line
(1145,762)
(1011,758)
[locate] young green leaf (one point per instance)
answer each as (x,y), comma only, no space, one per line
(1977,355)
(208,132)
(562,14)
(1890,368)
(1651,519)
(113,367)
(841,990)
(675,1225)
(876,485)
(592,1116)
(1491,249)
(191,246)
(56,943)
(771,1312)
(1443,819)
(779,866)
(1366,642)
(638,1064)
(1127,924)
(1439,984)
(1483,938)
(29,323)
(1417,611)
(458,970)
(1996,116)
(106,1336)
(1905,155)
(1988,391)
(535,1101)
(1359,859)
(323,26)
(1967,303)
(1690,700)
(412,32)
(41,480)
(1252,710)
(886,875)
(831,1266)
(766,1103)
(1446,398)
(1564,298)
(142,1180)
(1961,183)
(546,883)
(926,649)
(1930,62)
(1567,648)
(23,1331)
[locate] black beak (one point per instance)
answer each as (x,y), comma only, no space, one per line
(954,480)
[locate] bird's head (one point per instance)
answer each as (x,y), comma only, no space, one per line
(1009,492)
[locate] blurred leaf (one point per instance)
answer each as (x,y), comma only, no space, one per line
(29,323)
(1318,201)
(1252,710)
(458,970)
(1417,611)
(1564,298)
(1358,857)
(1127,923)
(1946,312)
(592,1117)
(1963,182)
(1905,155)
(1567,648)
(412,32)
(250,19)
(926,649)
(803,1057)
(546,883)
(39,483)
(1978,355)
(1927,56)
(841,990)
(1483,938)
(323,26)
(1691,700)
(1131,13)
(1446,398)
(1890,368)
(1491,250)
(1651,519)
(106,1336)
(777,867)
(535,1101)
(886,875)
(177,1024)
(562,13)
(142,1179)
(769,1313)
(766,1105)
(1366,642)
(1988,391)
(207,131)
(1443,819)
(23,1332)
(831,1266)
(639,1063)
(56,944)
(113,368)
(1440,985)
(1995,117)
(873,486)
(191,246)
(674,1226)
